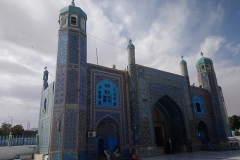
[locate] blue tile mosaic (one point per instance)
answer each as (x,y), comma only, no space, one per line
(83,52)
(212,83)
(82,155)
(56,139)
(60,86)
(73,48)
(72,86)
(82,130)
(44,137)
(70,130)
(62,49)
(135,121)
(82,90)
(69,156)
(54,156)
(125,152)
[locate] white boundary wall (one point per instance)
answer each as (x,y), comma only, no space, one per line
(11,152)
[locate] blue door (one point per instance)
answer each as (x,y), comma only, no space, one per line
(201,135)
(112,142)
(102,145)
(109,142)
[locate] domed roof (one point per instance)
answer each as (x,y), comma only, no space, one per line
(219,88)
(72,8)
(130,45)
(204,60)
(183,62)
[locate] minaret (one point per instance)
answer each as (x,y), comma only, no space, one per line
(68,130)
(222,102)
(45,78)
(183,65)
(190,112)
(135,121)
(207,79)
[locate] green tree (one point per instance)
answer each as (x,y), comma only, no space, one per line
(5,128)
(1,132)
(236,132)
(17,129)
(234,122)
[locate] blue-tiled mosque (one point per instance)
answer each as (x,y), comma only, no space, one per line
(90,107)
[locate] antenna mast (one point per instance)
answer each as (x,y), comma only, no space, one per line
(97,56)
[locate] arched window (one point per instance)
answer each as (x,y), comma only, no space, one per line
(202,68)
(73,20)
(64,20)
(107,94)
(198,105)
(45,105)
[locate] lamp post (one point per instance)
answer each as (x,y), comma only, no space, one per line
(11,119)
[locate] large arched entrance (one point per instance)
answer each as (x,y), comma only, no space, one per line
(203,132)
(107,133)
(168,122)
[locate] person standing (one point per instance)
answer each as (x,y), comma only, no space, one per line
(116,153)
(107,153)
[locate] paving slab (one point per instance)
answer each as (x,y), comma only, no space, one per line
(231,155)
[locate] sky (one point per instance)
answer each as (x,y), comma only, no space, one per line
(162,31)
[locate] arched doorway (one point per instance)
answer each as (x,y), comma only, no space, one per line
(107,133)
(168,122)
(203,132)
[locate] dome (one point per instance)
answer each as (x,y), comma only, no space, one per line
(74,9)
(204,60)
(131,46)
(183,62)
(219,88)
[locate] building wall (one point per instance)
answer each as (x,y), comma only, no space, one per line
(154,84)
(45,116)
(208,114)
(121,115)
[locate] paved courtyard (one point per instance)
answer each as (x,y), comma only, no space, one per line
(232,155)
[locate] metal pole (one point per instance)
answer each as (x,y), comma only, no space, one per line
(11,120)
(97,56)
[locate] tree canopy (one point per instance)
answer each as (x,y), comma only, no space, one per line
(5,129)
(234,122)
(17,129)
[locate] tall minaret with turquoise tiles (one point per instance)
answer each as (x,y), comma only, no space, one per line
(207,79)
(68,130)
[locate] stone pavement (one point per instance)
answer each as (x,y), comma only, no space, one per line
(231,155)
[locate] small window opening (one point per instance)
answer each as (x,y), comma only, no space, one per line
(198,107)
(45,105)
(64,20)
(202,67)
(73,21)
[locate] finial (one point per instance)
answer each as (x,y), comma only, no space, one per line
(130,41)
(73,4)
(182,57)
(45,68)
(201,54)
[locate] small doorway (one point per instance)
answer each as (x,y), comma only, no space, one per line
(107,133)
(159,129)
(203,132)
(159,134)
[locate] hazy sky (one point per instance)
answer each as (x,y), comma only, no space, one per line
(162,31)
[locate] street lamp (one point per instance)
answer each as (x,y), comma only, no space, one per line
(11,119)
